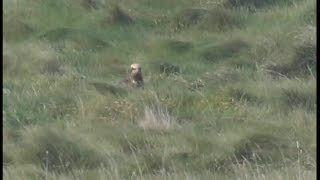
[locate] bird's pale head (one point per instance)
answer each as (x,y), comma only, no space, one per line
(135,69)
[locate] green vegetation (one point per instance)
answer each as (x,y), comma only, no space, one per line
(230,89)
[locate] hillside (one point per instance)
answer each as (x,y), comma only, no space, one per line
(230,89)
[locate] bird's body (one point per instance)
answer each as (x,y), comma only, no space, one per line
(135,78)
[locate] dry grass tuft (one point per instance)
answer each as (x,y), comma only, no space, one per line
(157,117)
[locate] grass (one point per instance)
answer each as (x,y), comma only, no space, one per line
(230,89)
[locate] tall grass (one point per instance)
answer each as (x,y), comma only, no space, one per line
(230,89)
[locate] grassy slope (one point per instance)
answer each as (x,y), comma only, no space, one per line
(257,101)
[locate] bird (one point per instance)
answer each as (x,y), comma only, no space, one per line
(135,78)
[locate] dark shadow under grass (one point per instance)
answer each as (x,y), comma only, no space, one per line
(52,67)
(179,46)
(294,98)
(7,63)
(30,112)
(258,149)
(31,108)
(120,15)
(189,17)
(302,64)
(105,89)
(80,39)
(253,5)
(227,49)
(215,19)
(221,19)
(7,159)
(93,4)
(15,29)
(243,96)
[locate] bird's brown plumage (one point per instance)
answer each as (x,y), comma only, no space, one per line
(135,78)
